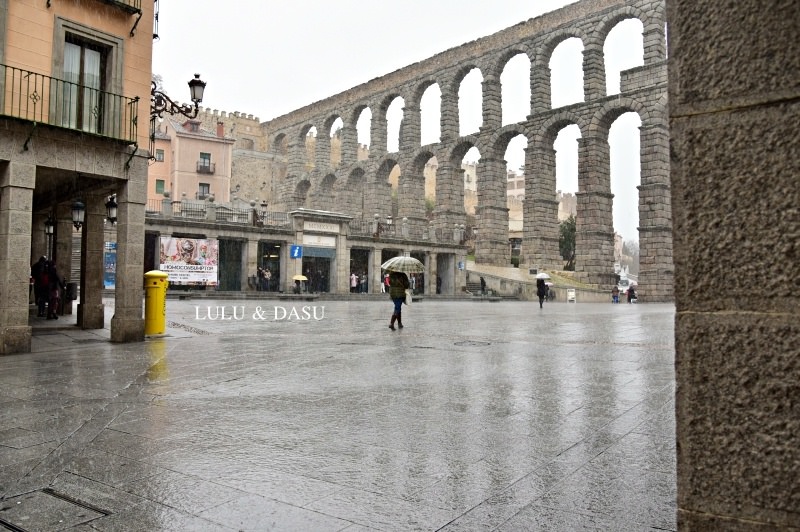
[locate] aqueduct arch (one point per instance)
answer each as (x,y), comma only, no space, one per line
(642,90)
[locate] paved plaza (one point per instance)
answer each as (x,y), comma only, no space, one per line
(477,416)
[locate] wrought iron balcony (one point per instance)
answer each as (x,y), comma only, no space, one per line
(45,100)
(131,6)
(205,167)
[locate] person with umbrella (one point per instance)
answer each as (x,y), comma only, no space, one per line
(398,284)
(541,288)
(398,267)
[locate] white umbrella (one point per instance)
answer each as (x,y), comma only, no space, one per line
(403,264)
(542,275)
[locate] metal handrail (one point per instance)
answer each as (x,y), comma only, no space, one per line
(47,100)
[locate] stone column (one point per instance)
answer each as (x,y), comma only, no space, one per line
(540,226)
(655,45)
(322,151)
(375,266)
(17,182)
(656,277)
(594,238)
(594,72)
(449,207)
(411,199)
(431,267)
(448,118)
(90,309)
(410,132)
(734,106)
(491,246)
(340,282)
(378,133)
(62,248)
(541,101)
(492,104)
(127,324)
(349,135)
(251,262)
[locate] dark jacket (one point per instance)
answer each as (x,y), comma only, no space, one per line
(398,283)
(541,288)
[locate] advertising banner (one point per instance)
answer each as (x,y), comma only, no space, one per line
(189,261)
(110,265)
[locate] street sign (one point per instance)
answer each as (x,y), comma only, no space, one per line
(296,252)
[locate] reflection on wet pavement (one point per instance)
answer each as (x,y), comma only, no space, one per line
(473,417)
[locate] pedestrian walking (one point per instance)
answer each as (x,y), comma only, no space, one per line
(398,284)
(631,294)
(55,286)
(483,286)
(541,291)
(615,294)
(40,285)
(353,282)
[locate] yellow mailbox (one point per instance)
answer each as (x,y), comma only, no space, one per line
(155,302)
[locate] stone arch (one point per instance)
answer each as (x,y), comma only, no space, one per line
(548,131)
(351,193)
(332,153)
(325,193)
(552,40)
(300,193)
(496,68)
(280,145)
(607,113)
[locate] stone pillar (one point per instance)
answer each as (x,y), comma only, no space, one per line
(448,118)
(411,198)
(17,182)
(594,72)
(340,284)
(734,170)
(349,135)
(492,104)
(410,132)
(251,262)
(655,45)
(656,279)
(449,207)
(491,246)
(62,248)
(378,133)
(375,267)
(90,309)
(298,157)
(432,268)
(540,226)
(166,205)
(594,238)
(541,100)
(127,324)
(322,151)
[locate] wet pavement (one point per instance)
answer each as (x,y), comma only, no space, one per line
(476,416)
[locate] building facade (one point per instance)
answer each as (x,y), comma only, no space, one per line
(73,103)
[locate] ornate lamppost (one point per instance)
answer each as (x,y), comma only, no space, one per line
(160,103)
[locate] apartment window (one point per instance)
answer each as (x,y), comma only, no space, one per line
(205,159)
(159,186)
(88,63)
(84,73)
(203,190)
(160,156)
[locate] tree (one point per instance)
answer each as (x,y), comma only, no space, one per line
(566,242)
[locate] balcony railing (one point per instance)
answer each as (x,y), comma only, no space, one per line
(42,99)
(131,6)
(205,167)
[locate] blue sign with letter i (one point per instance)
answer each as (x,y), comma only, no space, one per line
(296,252)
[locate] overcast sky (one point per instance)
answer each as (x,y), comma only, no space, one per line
(268,58)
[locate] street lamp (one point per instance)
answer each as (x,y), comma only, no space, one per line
(111,209)
(161,103)
(49,229)
(78,210)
